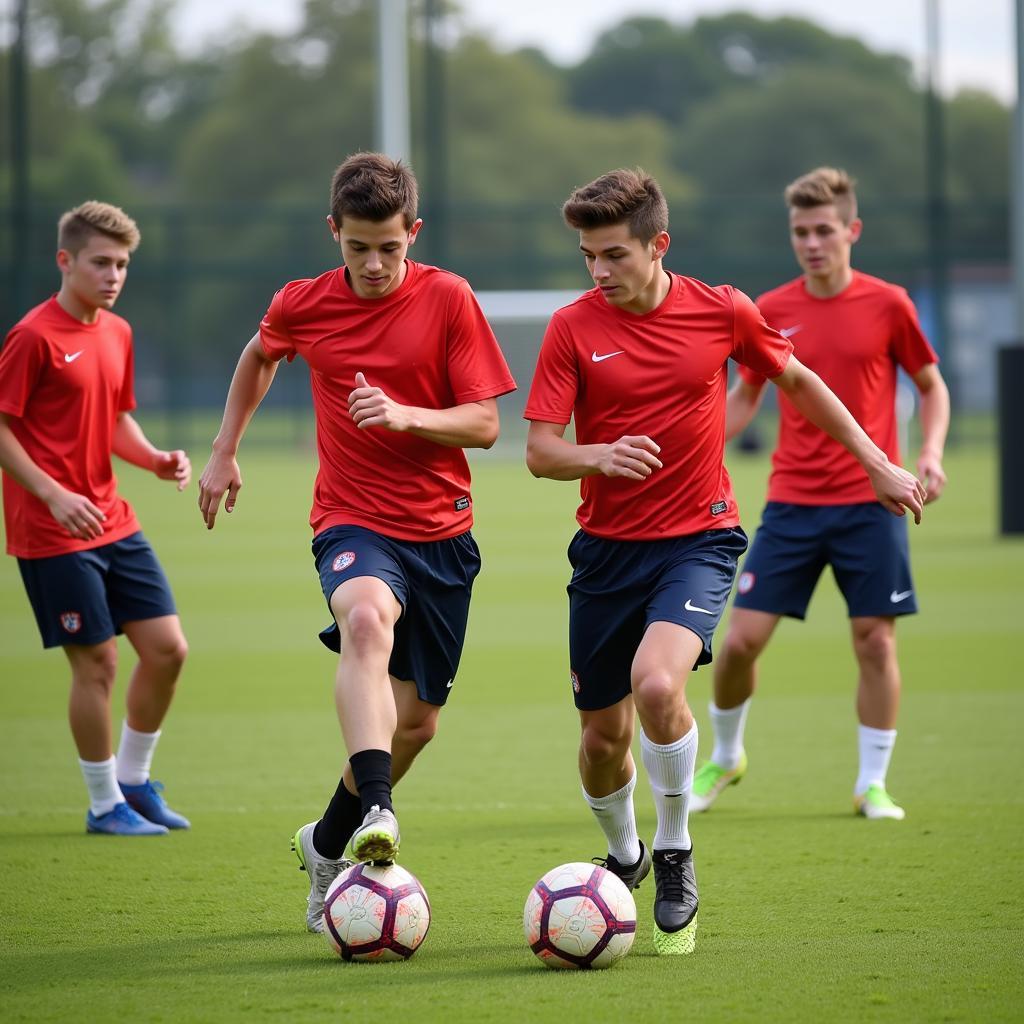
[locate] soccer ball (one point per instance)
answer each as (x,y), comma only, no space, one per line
(580,915)
(376,912)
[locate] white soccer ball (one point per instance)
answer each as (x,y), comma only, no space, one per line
(376,912)
(580,916)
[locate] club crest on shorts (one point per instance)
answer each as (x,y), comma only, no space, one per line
(746,582)
(343,561)
(71,621)
(575,680)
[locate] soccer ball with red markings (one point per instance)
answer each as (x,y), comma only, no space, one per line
(580,916)
(376,912)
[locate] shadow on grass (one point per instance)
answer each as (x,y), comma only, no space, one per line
(259,954)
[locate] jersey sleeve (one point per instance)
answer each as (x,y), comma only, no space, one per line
(760,351)
(556,379)
(911,349)
(274,337)
(126,398)
(476,365)
(21,363)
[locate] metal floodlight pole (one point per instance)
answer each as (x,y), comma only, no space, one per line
(436,141)
(20,251)
(393,79)
(1017,177)
(1010,358)
(935,186)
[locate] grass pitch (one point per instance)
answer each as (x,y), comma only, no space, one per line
(807,913)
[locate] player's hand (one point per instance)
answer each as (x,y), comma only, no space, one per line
(897,490)
(77,514)
(173,466)
(633,457)
(221,476)
(932,475)
(371,407)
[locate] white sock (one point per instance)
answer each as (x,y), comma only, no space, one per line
(101,781)
(134,755)
(875,751)
(728,724)
(670,769)
(615,815)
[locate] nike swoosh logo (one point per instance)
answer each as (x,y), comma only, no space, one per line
(71,357)
(600,359)
(788,332)
(691,607)
(896,596)
(449,685)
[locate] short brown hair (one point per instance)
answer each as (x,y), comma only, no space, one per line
(374,187)
(622,196)
(824,186)
(77,226)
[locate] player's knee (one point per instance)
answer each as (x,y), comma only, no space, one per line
(416,735)
(96,667)
(875,644)
(176,653)
(740,646)
(167,655)
(655,693)
(365,628)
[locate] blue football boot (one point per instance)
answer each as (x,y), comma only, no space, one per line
(146,799)
(122,821)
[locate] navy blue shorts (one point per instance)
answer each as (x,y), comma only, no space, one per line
(619,587)
(432,581)
(86,596)
(866,546)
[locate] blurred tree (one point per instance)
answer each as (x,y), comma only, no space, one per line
(651,65)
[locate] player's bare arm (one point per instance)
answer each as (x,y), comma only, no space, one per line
(132,445)
(251,381)
(75,512)
(470,425)
(550,455)
(934,411)
(895,488)
(741,405)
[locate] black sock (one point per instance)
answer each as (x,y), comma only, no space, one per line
(372,772)
(333,831)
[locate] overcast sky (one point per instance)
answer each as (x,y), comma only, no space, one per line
(976,35)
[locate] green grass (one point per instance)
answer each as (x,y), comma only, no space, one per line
(807,913)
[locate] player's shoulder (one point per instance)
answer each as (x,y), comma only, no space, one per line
(879,289)
(36,322)
(691,293)
(583,309)
(113,323)
(436,279)
(303,288)
(782,294)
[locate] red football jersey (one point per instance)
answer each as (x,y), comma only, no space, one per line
(854,341)
(663,374)
(62,385)
(426,344)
